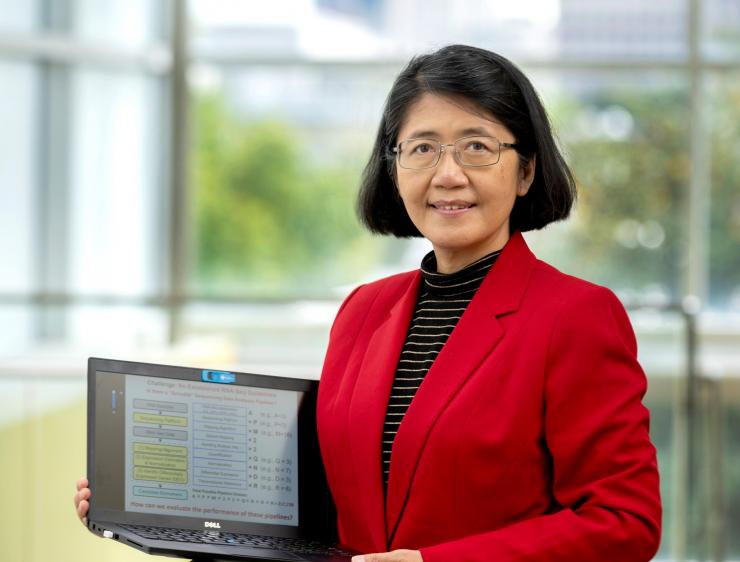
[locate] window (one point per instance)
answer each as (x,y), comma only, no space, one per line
(282,107)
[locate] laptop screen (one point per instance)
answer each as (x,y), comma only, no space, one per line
(174,442)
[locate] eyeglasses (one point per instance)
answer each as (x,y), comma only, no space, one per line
(472,152)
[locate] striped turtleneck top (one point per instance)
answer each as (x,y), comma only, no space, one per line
(442,299)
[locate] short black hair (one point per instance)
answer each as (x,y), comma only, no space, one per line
(496,85)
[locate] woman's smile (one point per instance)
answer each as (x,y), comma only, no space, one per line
(451,208)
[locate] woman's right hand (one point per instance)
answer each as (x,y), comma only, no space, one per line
(82,500)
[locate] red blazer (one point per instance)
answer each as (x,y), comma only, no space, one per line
(527,440)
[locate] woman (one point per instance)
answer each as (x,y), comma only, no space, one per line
(526,438)
(487,406)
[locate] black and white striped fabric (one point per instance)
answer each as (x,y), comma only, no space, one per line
(441,302)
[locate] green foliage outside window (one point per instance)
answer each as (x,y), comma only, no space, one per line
(630,154)
(724,251)
(269,222)
(631,225)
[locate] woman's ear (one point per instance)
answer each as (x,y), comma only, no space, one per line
(526,176)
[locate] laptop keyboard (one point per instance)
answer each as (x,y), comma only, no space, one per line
(296,546)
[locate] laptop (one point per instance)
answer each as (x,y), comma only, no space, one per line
(207,464)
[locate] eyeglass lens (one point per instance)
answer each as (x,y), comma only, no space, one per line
(469,151)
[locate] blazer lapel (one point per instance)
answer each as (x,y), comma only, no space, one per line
(369,403)
(475,336)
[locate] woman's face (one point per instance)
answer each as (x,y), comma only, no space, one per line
(464,212)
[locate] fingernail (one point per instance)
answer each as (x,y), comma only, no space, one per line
(358,559)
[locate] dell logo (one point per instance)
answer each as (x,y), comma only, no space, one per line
(212,524)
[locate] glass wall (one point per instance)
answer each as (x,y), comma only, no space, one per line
(84,161)
(178,184)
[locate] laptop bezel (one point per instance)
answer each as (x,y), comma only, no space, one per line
(316,516)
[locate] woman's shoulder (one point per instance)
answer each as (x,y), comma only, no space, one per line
(577,306)
(383,291)
(565,288)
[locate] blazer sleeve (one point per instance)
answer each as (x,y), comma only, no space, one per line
(604,469)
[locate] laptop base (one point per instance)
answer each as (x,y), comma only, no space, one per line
(208,559)
(236,559)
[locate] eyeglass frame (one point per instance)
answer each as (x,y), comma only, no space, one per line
(396,150)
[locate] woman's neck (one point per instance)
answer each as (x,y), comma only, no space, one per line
(453,260)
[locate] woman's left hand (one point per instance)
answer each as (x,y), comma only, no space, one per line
(393,556)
